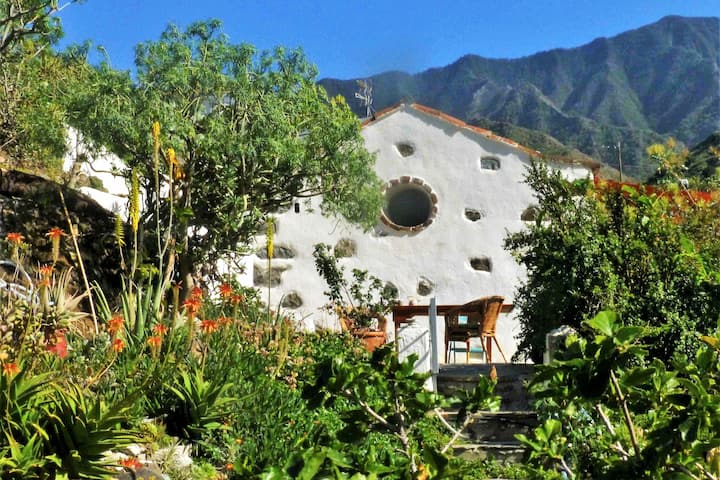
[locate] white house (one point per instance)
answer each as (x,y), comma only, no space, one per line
(452,191)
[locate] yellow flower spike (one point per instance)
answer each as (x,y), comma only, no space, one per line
(156,132)
(178,173)
(156,145)
(270,234)
(119,230)
(172,159)
(269,238)
(134,200)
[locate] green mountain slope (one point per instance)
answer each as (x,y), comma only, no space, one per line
(704,158)
(636,88)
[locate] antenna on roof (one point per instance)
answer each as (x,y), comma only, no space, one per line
(365,96)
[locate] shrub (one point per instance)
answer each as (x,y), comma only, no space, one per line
(646,255)
(610,411)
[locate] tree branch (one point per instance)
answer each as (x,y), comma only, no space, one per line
(617,446)
(456,433)
(626,413)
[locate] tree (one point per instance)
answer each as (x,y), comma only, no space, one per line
(31,116)
(249,133)
(35,19)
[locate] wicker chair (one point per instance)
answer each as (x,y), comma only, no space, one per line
(482,315)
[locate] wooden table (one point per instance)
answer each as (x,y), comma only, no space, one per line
(405,313)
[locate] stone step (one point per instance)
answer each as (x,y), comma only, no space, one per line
(501,452)
(512,379)
(492,435)
(498,426)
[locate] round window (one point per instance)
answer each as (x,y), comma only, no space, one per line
(409,204)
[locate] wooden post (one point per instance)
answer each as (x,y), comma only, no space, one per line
(434,364)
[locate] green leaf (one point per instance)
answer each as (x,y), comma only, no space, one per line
(184,213)
(313,463)
(628,334)
(604,322)
(637,376)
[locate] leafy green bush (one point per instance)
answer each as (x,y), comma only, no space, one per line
(610,412)
(648,256)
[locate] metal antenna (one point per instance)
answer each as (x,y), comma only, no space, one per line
(365,96)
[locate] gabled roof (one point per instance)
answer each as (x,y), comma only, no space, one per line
(477,130)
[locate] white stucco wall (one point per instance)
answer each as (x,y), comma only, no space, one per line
(447,158)
(103,165)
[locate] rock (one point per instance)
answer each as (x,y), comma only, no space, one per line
(279,251)
(178,456)
(263,278)
(425,286)
(146,472)
(474,214)
(529,214)
(483,264)
(345,247)
(292,300)
(554,340)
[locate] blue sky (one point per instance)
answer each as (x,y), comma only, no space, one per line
(350,39)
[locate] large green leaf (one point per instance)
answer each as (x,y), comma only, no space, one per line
(604,322)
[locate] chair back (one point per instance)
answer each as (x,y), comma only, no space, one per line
(472,310)
(482,315)
(493,306)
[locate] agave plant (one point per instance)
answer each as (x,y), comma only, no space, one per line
(80,431)
(194,405)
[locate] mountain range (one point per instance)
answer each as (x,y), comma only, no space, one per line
(609,98)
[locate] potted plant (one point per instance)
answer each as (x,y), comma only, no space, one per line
(361,303)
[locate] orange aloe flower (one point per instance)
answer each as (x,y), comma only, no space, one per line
(224,321)
(10,369)
(237,298)
(15,238)
(226,290)
(118,345)
(160,329)
(55,233)
(131,462)
(59,345)
(192,305)
(208,326)
(155,342)
(196,292)
(115,324)
(45,270)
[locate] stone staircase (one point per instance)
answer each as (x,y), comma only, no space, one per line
(492,434)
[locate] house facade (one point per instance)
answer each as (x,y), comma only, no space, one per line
(452,192)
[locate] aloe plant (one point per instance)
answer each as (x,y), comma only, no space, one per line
(80,430)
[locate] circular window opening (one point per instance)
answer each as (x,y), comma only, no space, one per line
(409,204)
